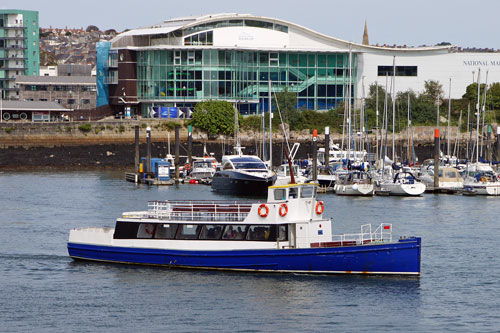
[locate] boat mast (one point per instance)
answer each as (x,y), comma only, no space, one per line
(477,114)
(449,115)
(376,120)
(393,107)
(386,117)
(484,111)
(349,102)
(409,123)
(270,124)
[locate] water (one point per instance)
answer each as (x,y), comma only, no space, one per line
(42,289)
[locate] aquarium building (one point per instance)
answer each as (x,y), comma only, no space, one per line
(240,57)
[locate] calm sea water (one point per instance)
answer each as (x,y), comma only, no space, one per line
(42,289)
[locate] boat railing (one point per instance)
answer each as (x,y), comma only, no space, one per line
(232,211)
(383,233)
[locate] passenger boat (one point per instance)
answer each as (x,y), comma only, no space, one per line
(287,233)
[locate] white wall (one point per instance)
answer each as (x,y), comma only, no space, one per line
(250,37)
(432,66)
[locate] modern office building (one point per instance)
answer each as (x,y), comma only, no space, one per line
(236,58)
(19,49)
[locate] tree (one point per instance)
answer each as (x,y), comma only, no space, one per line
(433,90)
(91,28)
(287,102)
(214,117)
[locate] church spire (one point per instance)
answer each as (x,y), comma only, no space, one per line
(365,35)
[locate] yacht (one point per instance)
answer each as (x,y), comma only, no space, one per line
(243,175)
(482,180)
(203,168)
(404,183)
(355,183)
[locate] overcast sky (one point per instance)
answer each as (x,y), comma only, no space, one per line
(466,23)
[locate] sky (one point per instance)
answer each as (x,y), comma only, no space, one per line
(465,23)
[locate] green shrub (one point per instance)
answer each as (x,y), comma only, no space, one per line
(85,128)
(144,125)
(121,128)
(109,127)
(8,130)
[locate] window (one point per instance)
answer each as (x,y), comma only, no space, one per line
(71,101)
(166,231)
(235,232)
(273,59)
(400,70)
(146,230)
(261,233)
(211,231)
(85,101)
(307,191)
(280,194)
(188,231)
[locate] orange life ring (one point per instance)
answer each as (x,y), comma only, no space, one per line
(261,213)
(484,179)
(187,166)
(285,211)
(320,207)
(214,165)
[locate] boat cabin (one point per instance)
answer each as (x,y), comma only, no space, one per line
(291,218)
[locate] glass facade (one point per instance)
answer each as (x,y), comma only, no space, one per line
(186,76)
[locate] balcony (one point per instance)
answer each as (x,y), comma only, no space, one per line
(19,37)
(13,47)
(6,68)
(13,26)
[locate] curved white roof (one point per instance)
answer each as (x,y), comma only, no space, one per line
(186,22)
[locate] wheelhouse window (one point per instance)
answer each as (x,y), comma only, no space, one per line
(280,194)
(307,191)
(248,163)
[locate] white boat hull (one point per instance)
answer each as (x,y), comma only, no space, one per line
(403,189)
(354,189)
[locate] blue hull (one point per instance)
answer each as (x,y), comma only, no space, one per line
(401,258)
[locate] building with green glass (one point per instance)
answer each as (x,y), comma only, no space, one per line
(240,57)
(227,57)
(19,48)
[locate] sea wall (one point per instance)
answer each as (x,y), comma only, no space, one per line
(110,144)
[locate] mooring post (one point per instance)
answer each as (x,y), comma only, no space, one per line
(177,145)
(190,145)
(327,145)
(148,154)
(436,159)
(315,155)
(137,148)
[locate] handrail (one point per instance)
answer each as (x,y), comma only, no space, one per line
(383,233)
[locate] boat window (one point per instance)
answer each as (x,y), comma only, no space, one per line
(166,231)
(307,191)
(292,193)
(451,174)
(146,230)
(188,231)
(235,232)
(227,166)
(211,231)
(250,165)
(126,230)
(283,232)
(280,194)
(261,233)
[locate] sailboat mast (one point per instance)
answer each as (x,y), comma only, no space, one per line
(376,120)
(270,124)
(449,115)
(349,102)
(478,113)
(409,123)
(484,111)
(393,107)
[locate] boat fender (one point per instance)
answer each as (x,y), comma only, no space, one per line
(283,210)
(265,212)
(320,207)
(187,166)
